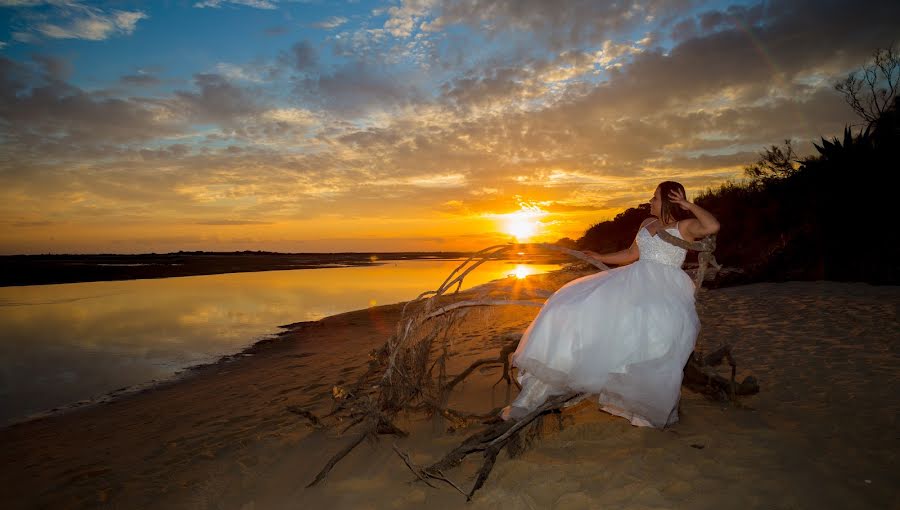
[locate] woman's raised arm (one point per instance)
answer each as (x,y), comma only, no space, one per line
(703,225)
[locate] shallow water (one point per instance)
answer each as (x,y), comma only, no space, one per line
(60,344)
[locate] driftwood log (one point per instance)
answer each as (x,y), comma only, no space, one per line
(409,373)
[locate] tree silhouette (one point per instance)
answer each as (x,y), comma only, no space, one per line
(774,162)
(871,91)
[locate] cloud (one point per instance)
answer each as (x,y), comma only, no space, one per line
(331,23)
(746,61)
(41,115)
(217,100)
(491,86)
(25,37)
(233,222)
(523,84)
(94,26)
(402,19)
(173,151)
(437,181)
(141,79)
(559,25)
(357,89)
(697,110)
(126,21)
(70,20)
(301,57)
(215,4)
(611,53)
(290,116)
(360,44)
(23,3)
(235,72)
(42,112)
(55,67)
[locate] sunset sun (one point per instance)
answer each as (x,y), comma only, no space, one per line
(525,223)
(522,225)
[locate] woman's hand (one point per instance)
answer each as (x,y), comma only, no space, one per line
(678,198)
(626,256)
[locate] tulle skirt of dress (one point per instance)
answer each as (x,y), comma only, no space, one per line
(623,335)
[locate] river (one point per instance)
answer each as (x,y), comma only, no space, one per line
(61,345)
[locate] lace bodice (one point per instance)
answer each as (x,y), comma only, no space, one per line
(653,248)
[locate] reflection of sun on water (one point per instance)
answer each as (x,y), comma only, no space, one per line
(522,271)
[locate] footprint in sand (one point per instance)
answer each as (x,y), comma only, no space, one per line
(292,389)
(84,473)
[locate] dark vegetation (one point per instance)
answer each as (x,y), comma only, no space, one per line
(831,215)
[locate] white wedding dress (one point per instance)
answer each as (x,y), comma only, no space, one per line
(623,335)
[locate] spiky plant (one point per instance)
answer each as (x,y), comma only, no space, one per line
(852,147)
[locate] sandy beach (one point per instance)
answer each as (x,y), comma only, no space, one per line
(822,433)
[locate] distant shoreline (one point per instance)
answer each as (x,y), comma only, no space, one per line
(20,270)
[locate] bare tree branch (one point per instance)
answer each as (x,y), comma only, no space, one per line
(337,457)
(871,90)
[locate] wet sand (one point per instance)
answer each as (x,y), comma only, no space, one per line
(822,433)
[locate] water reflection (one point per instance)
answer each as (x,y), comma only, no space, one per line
(64,343)
(522,271)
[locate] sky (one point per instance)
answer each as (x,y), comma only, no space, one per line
(404,125)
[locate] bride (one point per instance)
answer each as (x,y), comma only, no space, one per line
(624,334)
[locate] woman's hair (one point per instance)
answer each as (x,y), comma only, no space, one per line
(668,209)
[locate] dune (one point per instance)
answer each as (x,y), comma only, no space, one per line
(822,432)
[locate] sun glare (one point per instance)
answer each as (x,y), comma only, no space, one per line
(520,226)
(522,271)
(524,223)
